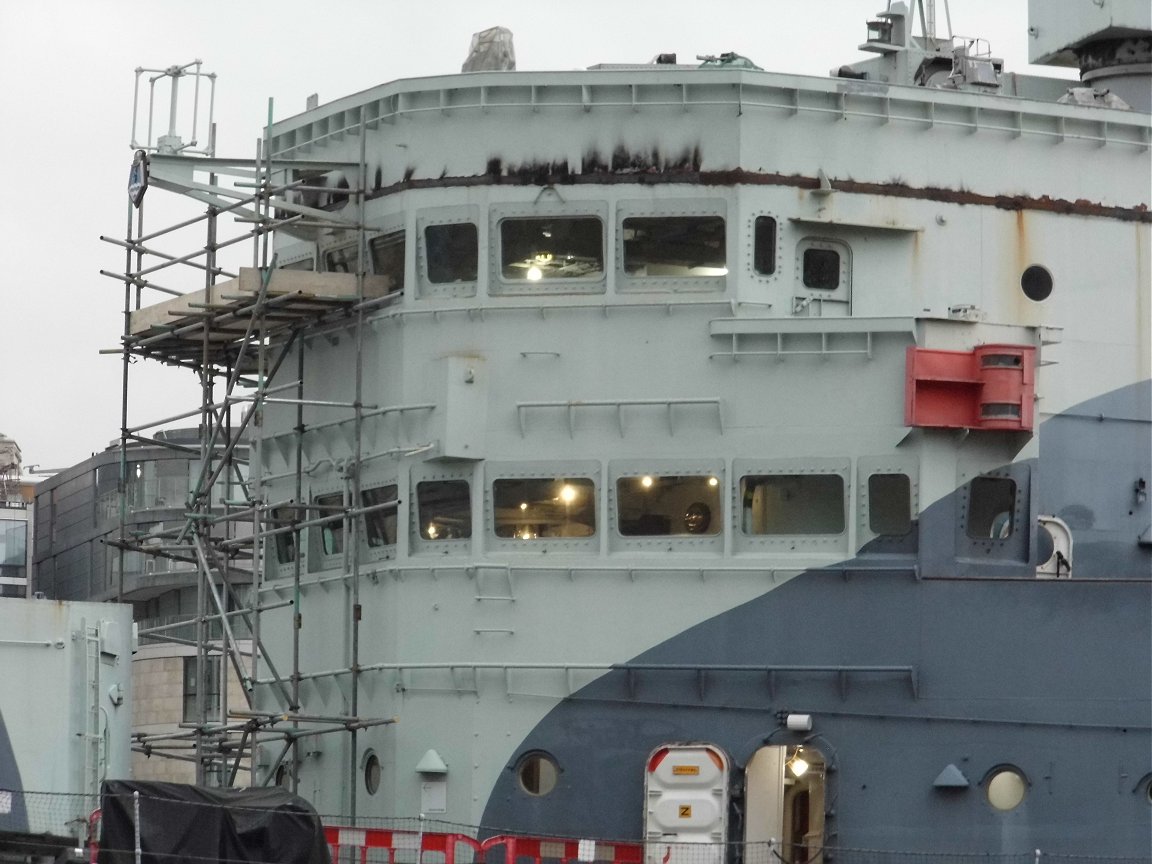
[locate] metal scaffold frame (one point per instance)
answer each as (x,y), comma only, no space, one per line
(237,340)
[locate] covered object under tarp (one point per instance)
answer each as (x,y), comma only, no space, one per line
(182,824)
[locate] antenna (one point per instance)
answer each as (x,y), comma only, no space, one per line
(171,143)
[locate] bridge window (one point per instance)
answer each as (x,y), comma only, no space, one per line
(346,259)
(537,508)
(764,245)
(445,508)
(991,508)
(652,505)
(665,246)
(793,504)
(331,533)
(541,249)
(387,253)
(379,523)
(453,252)
(285,541)
(889,504)
(307,264)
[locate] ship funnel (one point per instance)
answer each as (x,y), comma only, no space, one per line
(491,51)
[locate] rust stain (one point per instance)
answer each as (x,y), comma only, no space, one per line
(654,168)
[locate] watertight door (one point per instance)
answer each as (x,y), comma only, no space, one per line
(686,813)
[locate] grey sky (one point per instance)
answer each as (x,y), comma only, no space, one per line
(68,71)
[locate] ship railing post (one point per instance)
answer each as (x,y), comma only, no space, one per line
(136,823)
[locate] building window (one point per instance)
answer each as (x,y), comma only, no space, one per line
(889,504)
(764,245)
(13,548)
(821,269)
(654,506)
(211,683)
(793,504)
(541,249)
(537,773)
(531,509)
(674,246)
(379,523)
(991,508)
(445,509)
(306,264)
(453,252)
(332,532)
(387,253)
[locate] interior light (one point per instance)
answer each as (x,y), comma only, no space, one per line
(646,482)
(712,481)
(567,493)
(797,766)
(523,505)
(535,273)
(432,532)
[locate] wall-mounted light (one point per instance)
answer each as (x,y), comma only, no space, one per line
(798,722)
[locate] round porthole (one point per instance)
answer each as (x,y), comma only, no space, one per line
(1036,282)
(1006,788)
(371,773)
(537,773)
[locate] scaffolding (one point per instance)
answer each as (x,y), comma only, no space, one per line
(236,334)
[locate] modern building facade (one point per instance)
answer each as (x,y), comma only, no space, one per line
(78,555)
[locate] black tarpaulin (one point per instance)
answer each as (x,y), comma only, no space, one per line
(182,824)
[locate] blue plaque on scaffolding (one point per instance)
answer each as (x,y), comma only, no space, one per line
(138,178)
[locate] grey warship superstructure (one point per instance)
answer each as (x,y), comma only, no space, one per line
(698,454)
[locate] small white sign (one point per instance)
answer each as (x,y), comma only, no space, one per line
(434,796)
(5,801)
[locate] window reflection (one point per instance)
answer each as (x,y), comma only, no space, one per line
(792,504)
(552,248)
(531,509)
(445,508)
(387,253)
(991,506)
(653,506)
(331,533)
(452,252)
(380,524)
(889,504)
(674,246)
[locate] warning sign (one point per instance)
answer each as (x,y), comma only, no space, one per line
(685,811)
(686,770)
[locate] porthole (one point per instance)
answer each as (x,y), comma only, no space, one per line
(1005,788)
(1036,283)
(371,773)
(537,773)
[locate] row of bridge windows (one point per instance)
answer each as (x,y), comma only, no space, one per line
(533,509)
(546,253)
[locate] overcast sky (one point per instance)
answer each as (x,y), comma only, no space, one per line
(67,68)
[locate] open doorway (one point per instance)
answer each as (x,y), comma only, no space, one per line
(784,802)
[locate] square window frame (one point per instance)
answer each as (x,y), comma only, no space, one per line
(680,207)
(582,469)
(499,286)
(710,544)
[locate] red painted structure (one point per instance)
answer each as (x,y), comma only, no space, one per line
(990,387)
